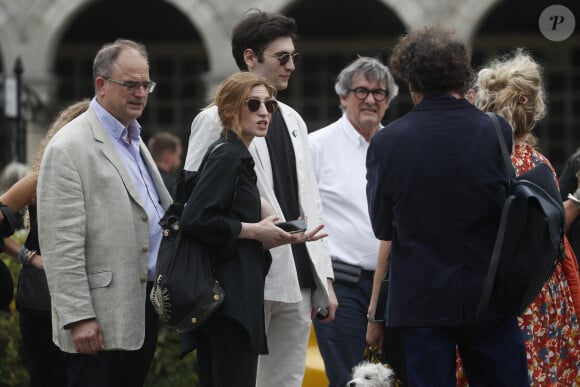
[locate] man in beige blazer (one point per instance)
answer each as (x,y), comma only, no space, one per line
(299,281)
(100,197)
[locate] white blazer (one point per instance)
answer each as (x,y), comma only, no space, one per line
(282,280)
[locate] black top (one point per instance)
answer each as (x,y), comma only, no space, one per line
(169,181)
(568,181)
(224,196)
(9,223)
(283,163)
(568,184)
(32,285)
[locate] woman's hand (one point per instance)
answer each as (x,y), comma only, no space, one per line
(37,262)
(376,335)
(309,236)
(266,232)
(272,236)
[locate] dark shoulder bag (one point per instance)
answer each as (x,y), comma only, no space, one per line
(185,293)
(530,238)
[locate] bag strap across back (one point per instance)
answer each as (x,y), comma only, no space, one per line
(493,264)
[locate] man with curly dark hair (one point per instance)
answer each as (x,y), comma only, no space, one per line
(436,184)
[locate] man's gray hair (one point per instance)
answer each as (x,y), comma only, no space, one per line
(372,69)
(108,54)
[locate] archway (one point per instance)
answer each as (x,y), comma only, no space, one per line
(176,55)
(500,33)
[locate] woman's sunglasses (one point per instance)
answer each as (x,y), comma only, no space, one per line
(254,105)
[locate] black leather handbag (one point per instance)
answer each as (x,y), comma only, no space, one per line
(185,293)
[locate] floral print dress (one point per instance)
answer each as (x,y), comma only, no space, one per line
(550,324)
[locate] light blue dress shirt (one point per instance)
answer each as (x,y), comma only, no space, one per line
(129,154)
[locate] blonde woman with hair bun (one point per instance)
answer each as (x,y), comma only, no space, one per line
(514,89)
(512,86)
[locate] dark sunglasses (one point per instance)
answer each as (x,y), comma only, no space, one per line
(254,104)
(284,57)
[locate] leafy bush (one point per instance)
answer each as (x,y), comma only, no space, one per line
(167,370)
(12,371)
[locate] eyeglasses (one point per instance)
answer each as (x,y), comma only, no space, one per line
(284,57)
(131,87)
(254,104)
(362,93)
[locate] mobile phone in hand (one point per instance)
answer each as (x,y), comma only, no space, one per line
(293,226)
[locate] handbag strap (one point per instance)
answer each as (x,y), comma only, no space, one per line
(208,154)
(497,248)
(185,175)
(493,263)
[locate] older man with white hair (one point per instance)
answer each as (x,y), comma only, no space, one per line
(365,88)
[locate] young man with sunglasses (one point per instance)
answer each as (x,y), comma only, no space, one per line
(299,281)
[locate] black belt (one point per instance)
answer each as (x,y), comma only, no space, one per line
(347,273)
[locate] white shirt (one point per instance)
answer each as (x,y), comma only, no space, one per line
(339,159)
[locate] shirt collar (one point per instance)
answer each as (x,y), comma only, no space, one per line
(351,133)
(113,126)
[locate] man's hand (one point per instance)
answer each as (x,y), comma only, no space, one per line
(332,304)
(87,337)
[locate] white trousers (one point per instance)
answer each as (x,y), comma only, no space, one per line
(287,331)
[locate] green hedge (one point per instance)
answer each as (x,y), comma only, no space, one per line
(166,369)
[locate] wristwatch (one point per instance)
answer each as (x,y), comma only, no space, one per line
(372,320)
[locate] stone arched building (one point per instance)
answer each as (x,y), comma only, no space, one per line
(188,42)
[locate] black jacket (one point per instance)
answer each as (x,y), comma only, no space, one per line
(436,187)
(225,196)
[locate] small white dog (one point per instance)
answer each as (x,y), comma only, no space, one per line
(368,374)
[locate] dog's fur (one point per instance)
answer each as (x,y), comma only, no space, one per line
(368,374)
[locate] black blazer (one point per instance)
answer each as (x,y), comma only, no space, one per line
(436,184)
(225,196)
